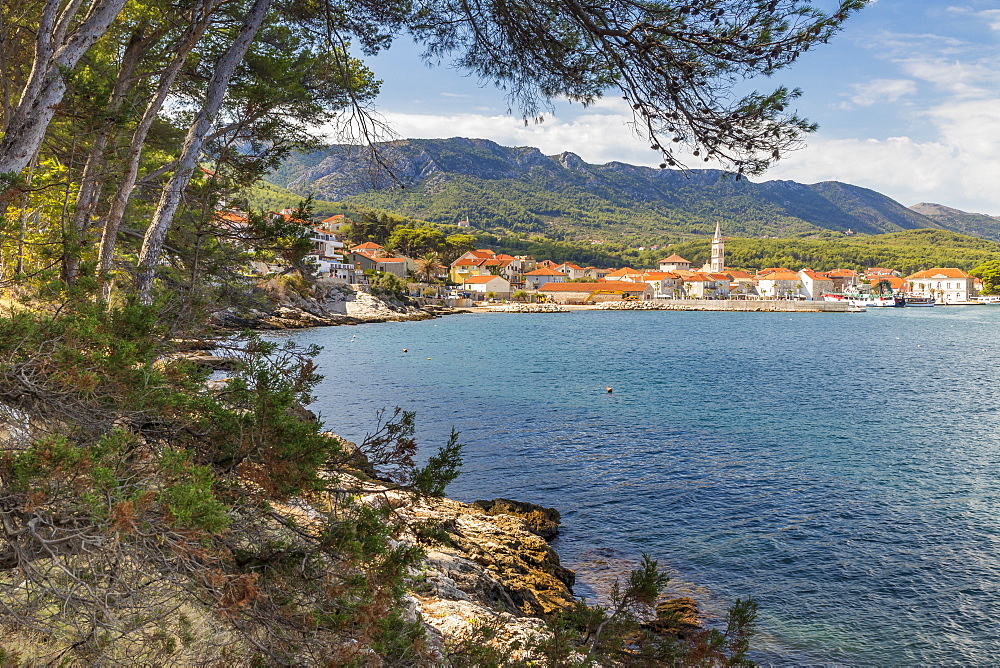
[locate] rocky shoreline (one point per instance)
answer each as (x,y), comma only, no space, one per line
(493,566)
(527,308)
(337,305)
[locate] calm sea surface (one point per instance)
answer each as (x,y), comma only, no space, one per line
(843,469)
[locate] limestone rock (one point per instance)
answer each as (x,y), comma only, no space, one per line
(540,520)
(524,564)
(676,617)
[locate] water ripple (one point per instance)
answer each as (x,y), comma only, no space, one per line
(844,470)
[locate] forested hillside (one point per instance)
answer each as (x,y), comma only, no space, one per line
(501,189)
(976,224)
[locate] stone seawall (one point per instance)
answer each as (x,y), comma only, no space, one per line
(773,305)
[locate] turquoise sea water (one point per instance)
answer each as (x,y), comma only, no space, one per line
(843,469)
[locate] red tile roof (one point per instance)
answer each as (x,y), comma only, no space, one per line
(674,259)
(736,274)
(624,271)
(483,279)
(782,275)
(939,272)
(545,271)
(617,286)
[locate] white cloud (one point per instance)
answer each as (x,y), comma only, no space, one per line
(960,168)
(989,16)
(879,91)
(595,137)
(957,78)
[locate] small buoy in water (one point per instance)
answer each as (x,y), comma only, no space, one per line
(428,358)
(609,390)
(404,350)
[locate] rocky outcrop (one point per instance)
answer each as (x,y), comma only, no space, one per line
(540,520)
(486,567)
(676,617)
(331,305)
(498,547)
(528,308)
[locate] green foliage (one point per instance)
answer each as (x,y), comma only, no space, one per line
(166,497)
(385,284)
(265,196)
(989,272)
(441,469)
(188,494)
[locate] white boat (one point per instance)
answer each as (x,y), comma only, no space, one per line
(861,299)
(912,300)
(989,300)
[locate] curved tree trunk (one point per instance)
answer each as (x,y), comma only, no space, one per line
(92,179)
(152,245)
(57,52)
(112,221)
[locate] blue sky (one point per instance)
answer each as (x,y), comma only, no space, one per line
(907,98)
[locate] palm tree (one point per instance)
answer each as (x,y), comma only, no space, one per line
(428,267)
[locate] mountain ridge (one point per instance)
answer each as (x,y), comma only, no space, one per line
(519,189)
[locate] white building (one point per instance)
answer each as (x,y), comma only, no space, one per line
(814,284)
(945,285)
(717,263)
(538,277)
(674,262)
(782,284)
(484,284)
(702,285)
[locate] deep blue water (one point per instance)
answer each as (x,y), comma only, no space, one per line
(843,469)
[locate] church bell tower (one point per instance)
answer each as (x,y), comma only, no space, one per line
(718,262)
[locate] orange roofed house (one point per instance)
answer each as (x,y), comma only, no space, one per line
(674,262)
(779,283)
(604,291)
(484,262)
(539,277)
(946,285)
(487,283)
(370,256)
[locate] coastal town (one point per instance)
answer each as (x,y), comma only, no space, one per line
(484,275)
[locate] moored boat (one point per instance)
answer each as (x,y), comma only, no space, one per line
(913,300)
(989,300)
(863,299)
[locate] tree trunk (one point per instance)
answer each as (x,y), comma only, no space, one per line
(152,245)
(92,180)
(56,54)
(116,212)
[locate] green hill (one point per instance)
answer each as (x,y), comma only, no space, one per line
(503,190)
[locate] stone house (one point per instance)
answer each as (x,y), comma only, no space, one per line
(674,262)
(814,284)
(703,285)
(666,284)
(779,283)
